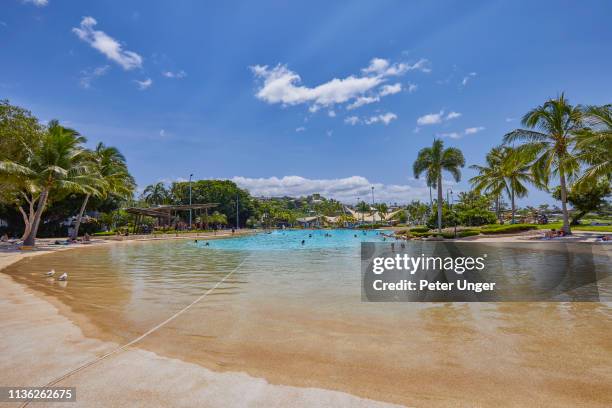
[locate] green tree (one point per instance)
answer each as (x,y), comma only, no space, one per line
(108,166)
(473,209)
(417,211)
(382,209)
(433,161)
(363,208)
(490,178)
(156,194)
(594,144)
(586,198)
(508,170)
(55,162)
(551,136)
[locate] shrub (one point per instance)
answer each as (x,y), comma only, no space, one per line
(419,229)
(507,229)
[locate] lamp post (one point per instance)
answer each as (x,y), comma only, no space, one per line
(190,176)
(373,218)
(454,212)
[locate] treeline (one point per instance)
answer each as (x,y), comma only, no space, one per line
(560,144)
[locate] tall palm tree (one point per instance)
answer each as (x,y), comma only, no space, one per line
(433,161)
(552,139)
(155,193)
(595,143)
(109,168)
(56,162)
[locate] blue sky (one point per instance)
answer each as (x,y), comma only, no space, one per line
(328,97)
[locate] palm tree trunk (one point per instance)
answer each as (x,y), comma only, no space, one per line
(562,182)
(497,212)
(430,200)
(75,233)
(513,205)
(440,204)
(30,240)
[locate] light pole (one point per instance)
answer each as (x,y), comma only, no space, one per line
(190,176)
(454,212)
(373,214)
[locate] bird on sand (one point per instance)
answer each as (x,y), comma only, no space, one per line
(50,273)
(63,276)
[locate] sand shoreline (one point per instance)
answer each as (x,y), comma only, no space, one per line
(40,320)
(49,345)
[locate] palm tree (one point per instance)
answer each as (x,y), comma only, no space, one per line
(490,178)
(507,170)
(363,207)
(155,193)
(382,209)
(110,170)
(54,163)
(433,161)
(595,143)
(553,142)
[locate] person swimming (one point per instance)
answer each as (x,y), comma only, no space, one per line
(195,241)
(303,241)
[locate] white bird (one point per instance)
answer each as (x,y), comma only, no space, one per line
(50,273)
(63,276)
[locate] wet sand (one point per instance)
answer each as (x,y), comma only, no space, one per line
(507,354)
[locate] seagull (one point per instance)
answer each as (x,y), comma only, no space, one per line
(50,273)
(63,276)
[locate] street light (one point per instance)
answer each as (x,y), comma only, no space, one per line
(373,218)
(190,176)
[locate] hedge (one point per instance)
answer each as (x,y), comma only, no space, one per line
(507,229)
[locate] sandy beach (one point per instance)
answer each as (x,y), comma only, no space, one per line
(537,354)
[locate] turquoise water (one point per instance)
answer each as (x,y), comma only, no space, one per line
(292,239)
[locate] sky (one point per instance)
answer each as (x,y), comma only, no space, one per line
(300,98)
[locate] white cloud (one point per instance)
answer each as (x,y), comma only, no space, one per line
(510,119)
(430,119)
(436,118)
(467,78)
(37,3)
(175,75)
(331,114)
(384,118)
(107,45)
(381,66)
(88,76)
(468,131)
(300,129)
(346,189)
(390,89)
(472,130)
(363,100)
(329,133)
(452,115)
(416,130)
(412,88)
(352,120)
(162,133)
(280,85)
(142,85)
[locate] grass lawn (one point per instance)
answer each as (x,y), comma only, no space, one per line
(558,225)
